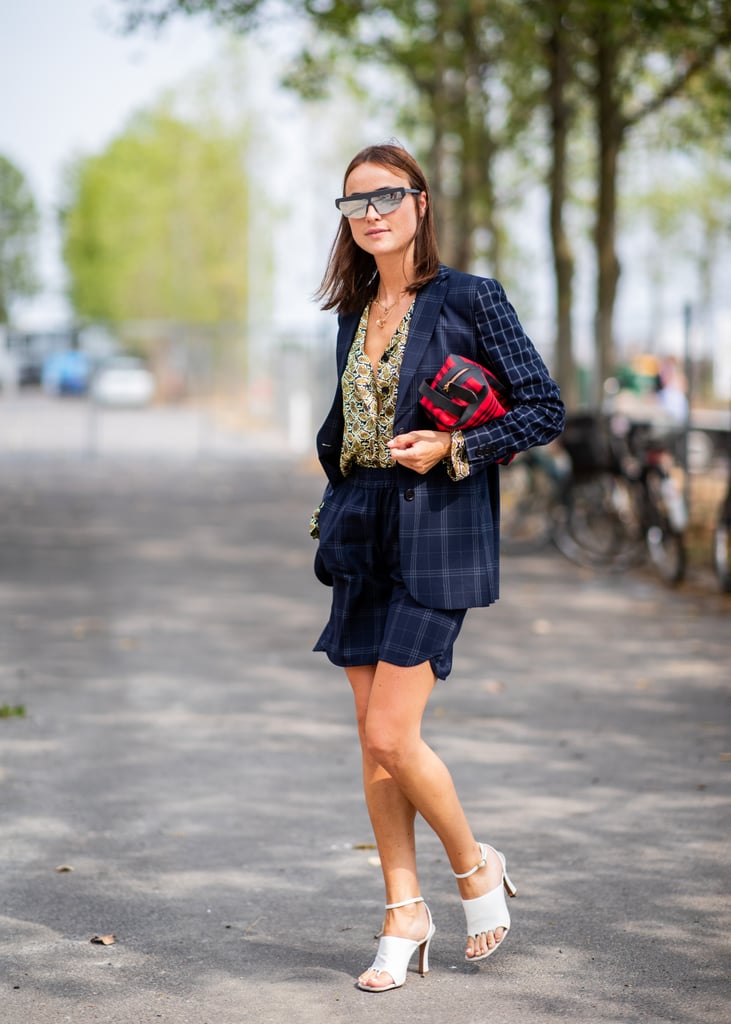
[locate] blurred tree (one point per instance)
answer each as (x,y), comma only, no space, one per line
(155,227)
(689,215)
(480,71)
(640,56)
(452,55)
(616,65)
(559,55)
(476,72)
(19,223)
(691,208)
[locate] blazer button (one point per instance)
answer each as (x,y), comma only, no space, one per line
(409,494)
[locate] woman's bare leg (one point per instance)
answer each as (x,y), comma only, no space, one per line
(403,775)
(392,817)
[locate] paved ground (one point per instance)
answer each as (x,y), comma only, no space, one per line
(193,762)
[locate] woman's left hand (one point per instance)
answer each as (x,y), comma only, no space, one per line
(420,449)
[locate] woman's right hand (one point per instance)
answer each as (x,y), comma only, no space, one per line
(420,450)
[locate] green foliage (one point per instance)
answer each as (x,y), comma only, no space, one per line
(155,227)
(19,222)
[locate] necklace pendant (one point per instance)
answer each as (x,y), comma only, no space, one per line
(380,323)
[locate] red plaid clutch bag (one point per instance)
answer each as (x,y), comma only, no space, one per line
(463,394)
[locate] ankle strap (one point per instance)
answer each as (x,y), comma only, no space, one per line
(404,903)
(472,871)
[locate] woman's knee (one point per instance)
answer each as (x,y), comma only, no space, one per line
(384,744)
(395,708)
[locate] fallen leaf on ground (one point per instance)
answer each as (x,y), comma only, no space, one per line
(103,940)
(64,867)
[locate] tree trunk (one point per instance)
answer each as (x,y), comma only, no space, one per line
(478,153)
(610,130)
(462,150)
(435,91)
(563,257)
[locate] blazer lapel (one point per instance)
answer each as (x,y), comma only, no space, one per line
(346,333)
(428,304)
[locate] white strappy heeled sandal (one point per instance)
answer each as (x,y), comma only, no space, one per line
(488,912)
(394,954)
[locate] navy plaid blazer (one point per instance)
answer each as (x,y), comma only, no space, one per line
(449,531)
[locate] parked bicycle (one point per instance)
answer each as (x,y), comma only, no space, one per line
(662,514)
(613,504)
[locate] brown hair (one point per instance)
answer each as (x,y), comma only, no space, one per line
(351,277)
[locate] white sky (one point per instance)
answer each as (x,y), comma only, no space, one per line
(69,82)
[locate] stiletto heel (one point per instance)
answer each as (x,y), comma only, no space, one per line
(488,912)
(394,954)
(509,887)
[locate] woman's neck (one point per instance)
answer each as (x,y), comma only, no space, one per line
(393,280)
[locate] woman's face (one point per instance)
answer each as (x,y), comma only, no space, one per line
(390,233)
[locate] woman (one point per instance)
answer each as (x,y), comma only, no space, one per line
(408,526)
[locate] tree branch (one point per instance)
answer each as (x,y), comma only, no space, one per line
(676,85)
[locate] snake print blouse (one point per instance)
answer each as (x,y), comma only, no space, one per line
(369,399)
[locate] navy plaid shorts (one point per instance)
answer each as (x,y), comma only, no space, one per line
(373,617)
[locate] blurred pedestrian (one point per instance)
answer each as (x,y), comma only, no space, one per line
(671,390)
(408,526)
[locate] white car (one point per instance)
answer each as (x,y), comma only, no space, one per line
(123,380)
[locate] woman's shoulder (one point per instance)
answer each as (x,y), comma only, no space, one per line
(460,279)
(462,286)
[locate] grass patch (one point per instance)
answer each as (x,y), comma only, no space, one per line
(12,710)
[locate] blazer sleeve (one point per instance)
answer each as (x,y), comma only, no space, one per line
(537,413)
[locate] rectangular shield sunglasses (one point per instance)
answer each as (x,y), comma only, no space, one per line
(384,200)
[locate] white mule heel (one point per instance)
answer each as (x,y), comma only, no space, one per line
(394,954)
(488,912)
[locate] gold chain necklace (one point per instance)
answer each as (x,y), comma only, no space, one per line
(381,321)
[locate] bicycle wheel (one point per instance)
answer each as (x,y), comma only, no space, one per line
(665,542)
(666,549)
(593,527)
